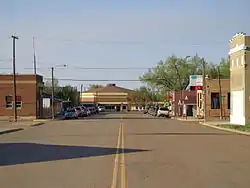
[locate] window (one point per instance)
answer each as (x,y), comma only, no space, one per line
(9,101)
(215,101)
(18,101)
(228,100)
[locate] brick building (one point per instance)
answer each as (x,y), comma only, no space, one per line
(27,92)
(215,107)
(181,98)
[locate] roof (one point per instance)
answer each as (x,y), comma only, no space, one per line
(110,88)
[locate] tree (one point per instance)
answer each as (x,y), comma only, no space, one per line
(94,86)
(68,93)
(173,73)
(47,88)
(224,68)
(143,96)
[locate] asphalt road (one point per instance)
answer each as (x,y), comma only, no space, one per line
(123,151)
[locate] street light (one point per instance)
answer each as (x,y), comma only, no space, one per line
(52,93)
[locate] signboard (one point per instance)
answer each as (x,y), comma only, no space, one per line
(196,80)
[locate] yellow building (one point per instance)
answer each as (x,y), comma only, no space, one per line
(110,96)
(239,55)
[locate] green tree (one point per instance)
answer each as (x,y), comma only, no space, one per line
(47,88)
(143,96)
(68,93)
(173,74)
(94,86)
(224,68)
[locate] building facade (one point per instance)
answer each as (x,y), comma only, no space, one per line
(110,96)
(179,99)
(28,102)
(216,106)
(239,55)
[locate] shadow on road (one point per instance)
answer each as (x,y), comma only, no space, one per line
(183,134)
(22,153)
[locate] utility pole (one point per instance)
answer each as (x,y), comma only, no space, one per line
(52,93)
(204,88)
(220,94)
(34,55)
(81,93)
(14,77)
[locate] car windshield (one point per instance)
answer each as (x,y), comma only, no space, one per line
(71,110)
(78,108)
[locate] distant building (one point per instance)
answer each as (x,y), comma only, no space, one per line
(110,96)
(28,100)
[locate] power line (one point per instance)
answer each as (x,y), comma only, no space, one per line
(126,42)
(87,68)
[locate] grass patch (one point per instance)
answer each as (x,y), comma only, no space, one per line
(245,128)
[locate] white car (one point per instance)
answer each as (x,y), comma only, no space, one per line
(101,108)
(163,112)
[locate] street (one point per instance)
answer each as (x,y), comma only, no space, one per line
(123,150)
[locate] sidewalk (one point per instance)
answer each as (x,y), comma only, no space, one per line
(8,127)
(224,125)
(193,119)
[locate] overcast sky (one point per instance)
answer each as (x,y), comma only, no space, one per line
(129,33)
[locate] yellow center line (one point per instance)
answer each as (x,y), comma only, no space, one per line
(116,161)
(123,165)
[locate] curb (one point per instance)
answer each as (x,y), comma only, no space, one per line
(225,129)
(11,131)
(187,120)
(37,124)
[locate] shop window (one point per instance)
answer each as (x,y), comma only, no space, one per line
(215,101)
(228,100)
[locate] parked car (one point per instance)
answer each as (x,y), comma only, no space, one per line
(101,108)
(70,114)
(88,112)
(163,112)
(84,111)
(78,111)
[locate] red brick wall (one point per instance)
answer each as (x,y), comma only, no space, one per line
(28,91)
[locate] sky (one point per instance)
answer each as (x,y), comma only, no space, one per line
(114,34)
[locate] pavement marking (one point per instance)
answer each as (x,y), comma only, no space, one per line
(123,165)
(116,161)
